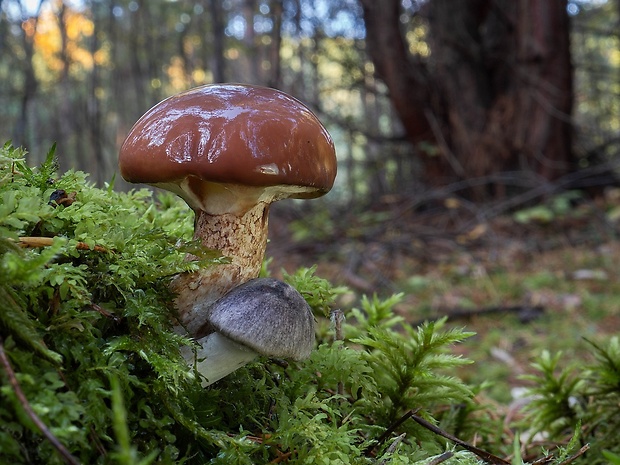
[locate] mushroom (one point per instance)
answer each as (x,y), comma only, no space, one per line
(263,316)
(229,151)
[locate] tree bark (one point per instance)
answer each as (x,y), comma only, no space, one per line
(93,106)
(249,8)
(403,74)
(30,85)
(543,130)
(494,95)
(217,19)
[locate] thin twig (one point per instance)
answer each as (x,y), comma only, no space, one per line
(62,450)
(579,453)
(106,313)
(441,458)
(47,241)
(337,317)
(386,434)
(282,457)
(544,460)
(484,455)
(445,148)
(392,447)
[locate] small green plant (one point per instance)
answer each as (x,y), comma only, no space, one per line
(579,397)
(556,207)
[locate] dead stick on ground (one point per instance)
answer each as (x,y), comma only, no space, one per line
(47,241)
(370,450)
(473,449)
(392,448)
(62,450)
(442,458)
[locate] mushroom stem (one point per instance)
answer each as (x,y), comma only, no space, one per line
(242,239)
(218,356)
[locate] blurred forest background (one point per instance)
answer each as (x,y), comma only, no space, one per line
(488,99)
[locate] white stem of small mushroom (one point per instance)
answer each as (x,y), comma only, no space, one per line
(242,239)
(217,357)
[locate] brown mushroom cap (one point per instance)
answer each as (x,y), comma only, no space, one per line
(231,135)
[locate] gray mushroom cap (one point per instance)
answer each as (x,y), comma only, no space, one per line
(268,316)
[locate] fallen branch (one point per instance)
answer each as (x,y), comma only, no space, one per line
(99,309)
(442,458)
(392,448)
(484,455)
(388,432)
(525,313)
(34,242)
(62,450)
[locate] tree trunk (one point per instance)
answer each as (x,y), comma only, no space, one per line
(404,76)
(249,39)
(217,26)
(494,95)
(30,83)
(93,107)
(277,10)
(543,128)
(66,120)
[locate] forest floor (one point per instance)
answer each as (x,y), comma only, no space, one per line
(543,278)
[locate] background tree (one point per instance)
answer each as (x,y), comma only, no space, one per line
(492,94)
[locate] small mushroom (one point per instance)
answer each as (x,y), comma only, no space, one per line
(229,151)
(263,316)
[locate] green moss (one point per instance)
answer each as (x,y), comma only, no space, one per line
(87,338)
